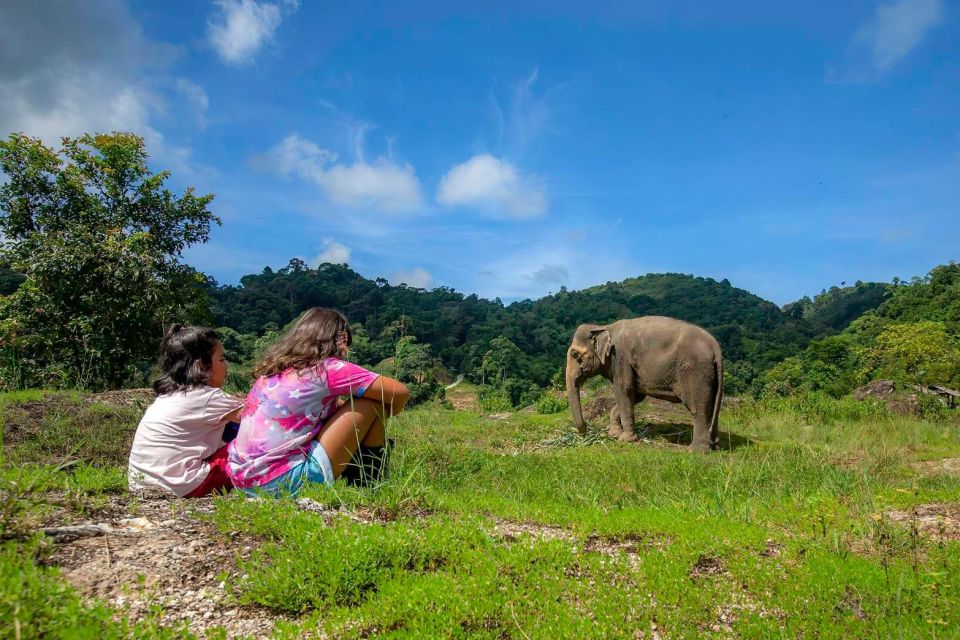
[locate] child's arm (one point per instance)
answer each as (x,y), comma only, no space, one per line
(391,393)
(233,416)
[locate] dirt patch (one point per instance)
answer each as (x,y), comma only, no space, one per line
(598,408)
(463,399)
(163,554)
(139,399)
(948,466)
(771,549)
(708,567)
(939,521)
(513,531)
(629,545)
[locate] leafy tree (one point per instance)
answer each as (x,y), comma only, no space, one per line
(238,347)
(500,360)
(412,360)
(413,364)
(918,352)
(99,239)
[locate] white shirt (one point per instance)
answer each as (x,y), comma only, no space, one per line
(178,431)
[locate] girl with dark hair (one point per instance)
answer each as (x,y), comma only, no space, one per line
(179,447)
(292,430)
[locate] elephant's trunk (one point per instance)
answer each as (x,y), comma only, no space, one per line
(573,396)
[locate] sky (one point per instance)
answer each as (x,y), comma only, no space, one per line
(511,148)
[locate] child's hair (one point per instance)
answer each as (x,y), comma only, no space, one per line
(315,337)
(186,355)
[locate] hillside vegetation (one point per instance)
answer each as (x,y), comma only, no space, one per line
(755,334)
(913,337)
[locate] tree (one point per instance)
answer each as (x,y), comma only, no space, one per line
(413,363)
(412,360)
(500,360)
(99,239)
(917,352)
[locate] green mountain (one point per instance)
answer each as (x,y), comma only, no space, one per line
(912,336)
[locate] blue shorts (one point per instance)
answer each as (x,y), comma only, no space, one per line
(315,468)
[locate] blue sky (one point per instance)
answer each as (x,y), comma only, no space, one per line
(526,146)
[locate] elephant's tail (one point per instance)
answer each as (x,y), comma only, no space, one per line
(718,400)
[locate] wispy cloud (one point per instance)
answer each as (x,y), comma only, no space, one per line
(891,34)
(195,96)
(524,113)
(416,277)
(495,187)
(899,27)
(533,270)
(381,185)
(240,28)
(550,274)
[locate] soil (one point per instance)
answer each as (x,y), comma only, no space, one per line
(166,555)
(946,466)
(939,521)
(463,398)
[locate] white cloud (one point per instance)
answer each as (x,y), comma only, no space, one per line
(887,38)
(416,277)
(333,252)
(382,184)
(242,27)
(73,68)
(494,186)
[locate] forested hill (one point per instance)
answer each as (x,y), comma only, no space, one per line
(755,334)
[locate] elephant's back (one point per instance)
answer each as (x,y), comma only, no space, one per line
(666,332)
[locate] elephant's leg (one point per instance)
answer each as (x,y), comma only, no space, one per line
(625,400)
(615,429)
(698,399)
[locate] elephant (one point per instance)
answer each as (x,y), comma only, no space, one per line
(651,356)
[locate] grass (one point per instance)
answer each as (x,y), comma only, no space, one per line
(514,528)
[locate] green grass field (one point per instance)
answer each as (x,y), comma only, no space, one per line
(818,519)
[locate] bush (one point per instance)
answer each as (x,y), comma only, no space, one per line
(494,400)
(816,406)
(427,391)
(549,403)
(521,392)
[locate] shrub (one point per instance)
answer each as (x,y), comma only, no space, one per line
(549,403)
(494,400)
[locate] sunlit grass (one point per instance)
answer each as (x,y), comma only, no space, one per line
(515,527)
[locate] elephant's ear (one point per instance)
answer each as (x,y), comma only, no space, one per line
(601,340)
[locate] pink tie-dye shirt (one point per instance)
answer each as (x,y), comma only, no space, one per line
(283,414)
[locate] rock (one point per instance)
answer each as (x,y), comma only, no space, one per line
(885,390)
(876,389)
(908,406)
